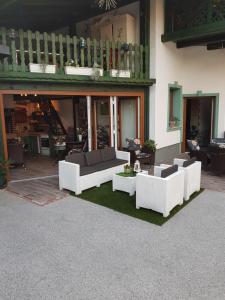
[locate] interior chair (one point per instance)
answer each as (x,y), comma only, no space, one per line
(16,154)
(217,165)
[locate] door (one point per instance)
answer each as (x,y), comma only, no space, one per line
(198,120)
(128,120)
(101,122)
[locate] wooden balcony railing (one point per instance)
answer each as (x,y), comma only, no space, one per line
(28,47)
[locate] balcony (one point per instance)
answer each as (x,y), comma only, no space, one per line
(50,57)
(191,22)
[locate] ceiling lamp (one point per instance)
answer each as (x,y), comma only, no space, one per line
(108,4)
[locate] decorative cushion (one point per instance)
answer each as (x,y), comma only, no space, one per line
(76,158)
(108,154)
(189,162)
(93,157)
(133,144)
(169,171)
(193,145)
(137,152)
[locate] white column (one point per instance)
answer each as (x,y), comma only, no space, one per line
(139,117)
(115,129)
(89,123)
(112,120)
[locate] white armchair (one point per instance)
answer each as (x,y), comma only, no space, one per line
(160,194)
(192,177)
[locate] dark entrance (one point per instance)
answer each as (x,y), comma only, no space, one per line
(199,119)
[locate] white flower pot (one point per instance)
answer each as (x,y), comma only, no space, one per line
(79,137)
(42,68)
(70,70)
(120,73)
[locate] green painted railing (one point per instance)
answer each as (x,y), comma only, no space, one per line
(28,47)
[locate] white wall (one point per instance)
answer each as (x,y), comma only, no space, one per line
(194,68)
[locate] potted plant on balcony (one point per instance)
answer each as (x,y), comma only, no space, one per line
(120,73)
(174,122)
(42,68)
(4,164)
(80,134)
(73,68)
(149,146)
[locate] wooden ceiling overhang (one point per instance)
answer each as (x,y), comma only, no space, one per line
(48,15)
(212,38)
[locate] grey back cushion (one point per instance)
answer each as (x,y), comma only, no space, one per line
(169,171)
(77,158)
(93,157)
(189,162)
(108,154)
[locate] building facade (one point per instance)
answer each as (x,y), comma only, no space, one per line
(187,61)
(154,69)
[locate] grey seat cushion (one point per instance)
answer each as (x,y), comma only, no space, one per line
(169,171)
(189,162)
(108,154)
(77,158)
(110,164)
(93,157)
(101,166)
(87,170)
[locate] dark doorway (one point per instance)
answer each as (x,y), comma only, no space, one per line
(199,117)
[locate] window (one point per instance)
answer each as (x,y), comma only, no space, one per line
(175,107)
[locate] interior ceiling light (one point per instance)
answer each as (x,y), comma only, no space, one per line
(108,4)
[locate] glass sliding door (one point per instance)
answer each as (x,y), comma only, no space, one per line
(101,122)
(128,120)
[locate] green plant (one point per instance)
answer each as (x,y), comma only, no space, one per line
(150,145)
(127,169)
(174,122)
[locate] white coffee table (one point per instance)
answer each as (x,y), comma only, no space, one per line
(125,183)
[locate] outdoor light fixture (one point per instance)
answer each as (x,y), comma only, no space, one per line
(108,4)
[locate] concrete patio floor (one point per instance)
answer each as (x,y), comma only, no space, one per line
(72,249)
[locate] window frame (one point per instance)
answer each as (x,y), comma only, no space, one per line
(177,106)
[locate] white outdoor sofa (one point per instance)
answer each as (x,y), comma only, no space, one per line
(192,175)
(160,194)
(82,171)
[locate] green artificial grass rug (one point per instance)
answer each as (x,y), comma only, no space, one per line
(123,203)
